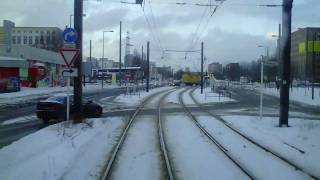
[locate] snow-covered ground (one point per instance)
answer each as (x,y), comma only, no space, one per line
(173,97)
(302,135)
(139,157)
(259,163)
(135,99)
(210,97)
(66,151)
(297,94)
(192,155)
(29,94)
(187,98)
(61,151)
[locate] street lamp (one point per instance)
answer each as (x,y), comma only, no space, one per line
(266,50)
(84,15)
(261,77)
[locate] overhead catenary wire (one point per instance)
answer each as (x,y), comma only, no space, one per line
(152,31)
(155,24)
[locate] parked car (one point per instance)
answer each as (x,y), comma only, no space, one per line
(55,107)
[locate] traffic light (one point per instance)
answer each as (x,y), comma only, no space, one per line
(139,2)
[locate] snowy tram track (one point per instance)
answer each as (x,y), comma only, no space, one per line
(163,145)
(252,147)
(212,139)
(114,163)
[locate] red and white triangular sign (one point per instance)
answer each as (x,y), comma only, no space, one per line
(69,55)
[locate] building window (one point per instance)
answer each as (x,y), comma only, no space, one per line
(53,33)
(25,39)
(14,40)
(30,32)
(53,39)
(48,40)
(48,33)
(30,39)
(13,31)
(18,39)
(37,32)
(18,31)
(25,31)
(37,40)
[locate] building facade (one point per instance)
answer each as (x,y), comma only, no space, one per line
(49,38)
(30,67)
(232,71)
(215,68)
(305,50)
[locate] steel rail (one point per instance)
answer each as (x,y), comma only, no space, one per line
(219,118)
(108,167)
(162,139)
(212,139)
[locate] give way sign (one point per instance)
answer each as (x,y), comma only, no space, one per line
(69,55)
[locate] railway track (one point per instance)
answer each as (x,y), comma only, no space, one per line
(108,168)
(212,139)
(162,139)
(241,134)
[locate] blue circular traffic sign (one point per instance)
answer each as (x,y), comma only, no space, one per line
(70,35)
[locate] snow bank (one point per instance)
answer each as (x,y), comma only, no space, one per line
(303,134)
(209,97)
(298,94)
(61,152)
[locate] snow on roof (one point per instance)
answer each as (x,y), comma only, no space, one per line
(4,58)
(122,68)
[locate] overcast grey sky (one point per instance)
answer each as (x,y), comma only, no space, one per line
(231,34)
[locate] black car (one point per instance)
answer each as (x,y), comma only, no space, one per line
(55,107)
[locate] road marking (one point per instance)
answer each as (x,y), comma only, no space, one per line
(20,120)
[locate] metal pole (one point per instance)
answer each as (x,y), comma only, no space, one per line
(201,67)
(141,59)
(68,98)
(261,88)
(313,66)
(279,51)
(90,64)
(285,68)
(90,51)
(102,73)
(148,65)
(70,20)
(120,74)
(102,50)
(279,43)
(77,90)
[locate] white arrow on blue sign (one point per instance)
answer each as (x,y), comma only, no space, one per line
(70,35)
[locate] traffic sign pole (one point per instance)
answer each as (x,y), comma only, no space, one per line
(78,15)
(68,98)
(285,62)
(261,88)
